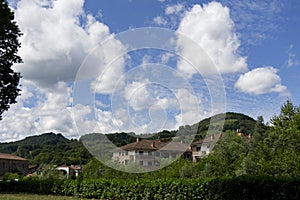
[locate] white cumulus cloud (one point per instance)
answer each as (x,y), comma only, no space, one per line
(57,36)
(211,28)
(260,81)
(138,96)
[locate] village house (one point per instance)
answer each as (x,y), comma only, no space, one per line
(148,153)
(12,163)
(203,147)
(72,170)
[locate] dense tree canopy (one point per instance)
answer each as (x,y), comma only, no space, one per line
(9,44)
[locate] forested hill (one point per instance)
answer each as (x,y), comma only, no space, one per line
(232,122)
(48,148)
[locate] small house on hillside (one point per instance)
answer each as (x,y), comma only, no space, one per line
(72,170)
(203,147)
(148,152)
(12,163)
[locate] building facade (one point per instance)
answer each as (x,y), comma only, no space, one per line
(148,153)
(73,170)
(12,163)
(203,147)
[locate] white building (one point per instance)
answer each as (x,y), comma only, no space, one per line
(148,152)
(203,147)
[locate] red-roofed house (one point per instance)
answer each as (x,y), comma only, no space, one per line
(12,163)
(201,148)
(147,152)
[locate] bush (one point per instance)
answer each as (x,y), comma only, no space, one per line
(243,187)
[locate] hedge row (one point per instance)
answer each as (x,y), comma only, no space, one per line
(219,188)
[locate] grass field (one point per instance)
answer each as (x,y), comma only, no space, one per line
(34,197)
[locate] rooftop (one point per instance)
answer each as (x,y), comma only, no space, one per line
(10,157)
(155,145)
(208,139)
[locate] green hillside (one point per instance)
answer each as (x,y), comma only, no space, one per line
(48,148)
(233,121)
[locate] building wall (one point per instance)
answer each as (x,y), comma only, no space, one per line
(200,150)
(7,165)
(146,157)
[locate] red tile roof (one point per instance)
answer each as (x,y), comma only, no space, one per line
(10,157)
(208,139)
(155,145)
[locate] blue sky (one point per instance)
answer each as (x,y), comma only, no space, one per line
(253,44)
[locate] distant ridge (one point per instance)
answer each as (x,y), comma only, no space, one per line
(233,121)
(48,148)
(51,148)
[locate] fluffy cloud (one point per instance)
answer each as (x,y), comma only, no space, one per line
(260,81)
(49,112)
(58,35)
(137,95)
(190,107)
(212,29)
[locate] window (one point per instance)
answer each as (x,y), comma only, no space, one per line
(149,163)
(126,153)
(141,152)
(165,155)
(198,149)
(150,153)
(141,163)
(157,153)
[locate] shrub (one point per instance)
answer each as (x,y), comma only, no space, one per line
(242,187)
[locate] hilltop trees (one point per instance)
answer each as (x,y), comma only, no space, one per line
(276,151)
(260,131)
(9,44)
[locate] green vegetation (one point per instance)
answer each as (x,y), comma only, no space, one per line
(48,148)
(9,44)
(24,196)
(271,151)
(232,122)
(242,187)
(54,149)
(262,164)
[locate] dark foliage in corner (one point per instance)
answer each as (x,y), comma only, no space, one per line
(9,44)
